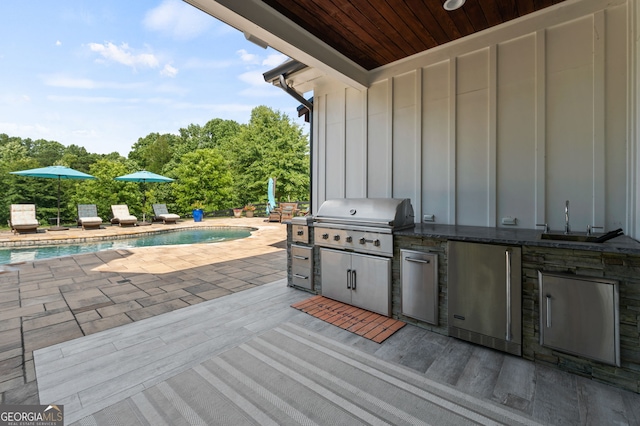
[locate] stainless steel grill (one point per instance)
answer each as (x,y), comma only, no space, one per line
(355,236)
(362,225)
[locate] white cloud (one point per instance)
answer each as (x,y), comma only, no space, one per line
(69,82)
(124,55)
(247,57)
(274,59)
(90,99)
(58,43)
(178,19)
(15,99)
(59,80)
(253,78)
(169,71)
(33,130)
(264,91)
(197,63)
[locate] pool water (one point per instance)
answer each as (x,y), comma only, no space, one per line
(187,236)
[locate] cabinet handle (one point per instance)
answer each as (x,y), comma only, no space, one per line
(301,257)
(353,279)
(411,259)
(548,311)
(507,254)
(300,276)
(348,278)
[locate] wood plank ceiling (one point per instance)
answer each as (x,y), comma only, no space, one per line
(374,33)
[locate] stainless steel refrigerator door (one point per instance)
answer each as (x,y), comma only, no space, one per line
(485,290)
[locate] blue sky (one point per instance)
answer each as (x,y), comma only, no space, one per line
(101,74)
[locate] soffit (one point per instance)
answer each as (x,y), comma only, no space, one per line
(374,33)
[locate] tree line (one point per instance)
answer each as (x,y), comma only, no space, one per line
(220,165)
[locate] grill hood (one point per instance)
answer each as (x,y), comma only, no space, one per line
(390,213)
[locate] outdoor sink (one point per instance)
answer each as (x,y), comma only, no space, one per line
(579,238)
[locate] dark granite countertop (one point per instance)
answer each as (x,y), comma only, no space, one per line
(515,236)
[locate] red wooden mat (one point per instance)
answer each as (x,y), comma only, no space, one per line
(367,324)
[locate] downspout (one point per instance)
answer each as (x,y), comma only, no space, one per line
(292,92)
(297,96)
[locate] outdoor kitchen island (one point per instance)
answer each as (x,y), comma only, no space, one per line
(616,260)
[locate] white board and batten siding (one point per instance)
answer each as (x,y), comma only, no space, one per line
(511,126)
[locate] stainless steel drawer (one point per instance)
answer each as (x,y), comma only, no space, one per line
(302,266)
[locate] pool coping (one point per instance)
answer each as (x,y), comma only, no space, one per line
(106,233)
(97,238)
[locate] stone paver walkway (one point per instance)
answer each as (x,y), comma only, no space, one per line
(52,301)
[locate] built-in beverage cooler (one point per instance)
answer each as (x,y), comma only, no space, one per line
(485,295)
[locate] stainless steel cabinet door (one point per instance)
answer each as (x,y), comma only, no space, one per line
(370,278)
(335,272)
(419,277)
(579,315)
(479,292)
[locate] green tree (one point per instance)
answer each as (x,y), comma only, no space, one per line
(46,153)
(105,191)
(270,146)
(78,158)
(153,151)
(202,175)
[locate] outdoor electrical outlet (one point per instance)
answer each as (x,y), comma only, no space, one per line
(509,220)
(429,218)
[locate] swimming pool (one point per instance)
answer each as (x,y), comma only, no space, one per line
(183,236)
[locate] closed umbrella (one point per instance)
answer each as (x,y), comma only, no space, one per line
(55,172)
(144,176)
(271,195)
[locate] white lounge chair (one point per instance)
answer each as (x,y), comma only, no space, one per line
(161,213)
(23,218)
(88,216)
(122,216)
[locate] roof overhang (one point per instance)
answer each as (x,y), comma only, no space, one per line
(263,22)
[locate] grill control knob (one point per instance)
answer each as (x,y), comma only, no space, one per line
(349,239)
(300,232)
(325,236)
(336,237)
(376,243)
(362,240)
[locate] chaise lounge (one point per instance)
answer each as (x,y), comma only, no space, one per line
(122,216)
(161,213)
(23,218)
(88,216)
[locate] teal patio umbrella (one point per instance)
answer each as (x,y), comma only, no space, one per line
(271,195)
(144,176)
(55,172)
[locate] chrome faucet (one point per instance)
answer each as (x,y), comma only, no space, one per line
(567,228)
